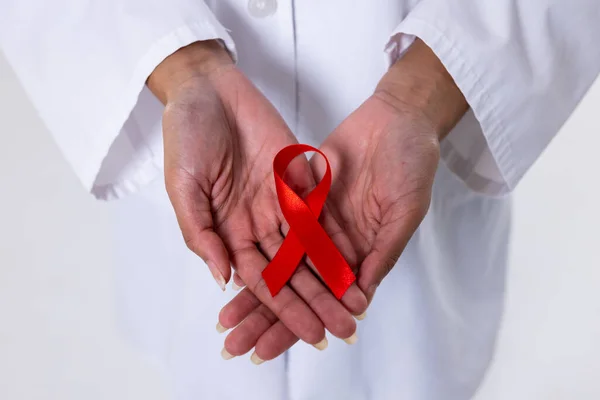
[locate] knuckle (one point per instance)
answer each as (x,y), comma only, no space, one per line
(288,308)
(355,300)
(271,242)
(192,243)
(389,263)
(316,302)
(309,329)
(267,314)
(300,271)
(189,242)
(259,287)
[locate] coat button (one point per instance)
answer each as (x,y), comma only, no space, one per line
(262,8)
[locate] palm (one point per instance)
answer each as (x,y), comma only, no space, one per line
(384,162)
(235,176)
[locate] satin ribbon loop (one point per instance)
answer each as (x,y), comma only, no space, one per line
(306,234)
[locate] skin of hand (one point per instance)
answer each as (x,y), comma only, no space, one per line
(384,157)
(220,137)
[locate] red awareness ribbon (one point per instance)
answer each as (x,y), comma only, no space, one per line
(306,234)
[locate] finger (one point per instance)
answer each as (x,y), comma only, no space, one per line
(390,242)
(354,299)
(193,211)
(243,338)
(333,314)
(251,328)
(276,340)
(287,305)
(238,283)
(237,310)
(336,318)
(250,331)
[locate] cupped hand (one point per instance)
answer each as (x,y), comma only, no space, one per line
(384,157)
(384,160)
(220,138)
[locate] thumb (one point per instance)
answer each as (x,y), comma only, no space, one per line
(194,215)
(389,243)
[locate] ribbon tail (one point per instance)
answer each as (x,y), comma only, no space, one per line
(329,262)
(284,264)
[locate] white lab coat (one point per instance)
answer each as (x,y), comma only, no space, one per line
(430,333)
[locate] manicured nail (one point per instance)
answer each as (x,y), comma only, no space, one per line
(221,328)
(256,359)
(226,355)
(322,345)
(217,275)
(361,316)
(352,339)
(235,287)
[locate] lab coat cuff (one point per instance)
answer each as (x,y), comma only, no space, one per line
(491,171)
(141,146)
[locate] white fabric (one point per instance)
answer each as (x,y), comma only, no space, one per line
(522,65)
(84,64)
(430,332)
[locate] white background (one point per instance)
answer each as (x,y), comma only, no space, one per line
(58,338)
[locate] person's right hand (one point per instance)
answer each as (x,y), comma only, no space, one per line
(220,137)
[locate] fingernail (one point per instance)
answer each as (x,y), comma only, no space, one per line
(226,355)
(352,339)
(221,328)
(256,359)
(217,275)
(235,287)
(361,316)
(322,345)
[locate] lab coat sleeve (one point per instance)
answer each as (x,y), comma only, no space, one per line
(84,64)
(523,66)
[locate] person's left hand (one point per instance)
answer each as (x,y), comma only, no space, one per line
(384,157)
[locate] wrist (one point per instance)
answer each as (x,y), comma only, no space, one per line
(197,60)
(420,85)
